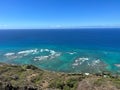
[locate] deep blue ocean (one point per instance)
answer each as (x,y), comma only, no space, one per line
(63,50)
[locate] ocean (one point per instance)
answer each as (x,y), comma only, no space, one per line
(63,50)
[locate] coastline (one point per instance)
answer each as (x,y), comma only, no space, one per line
(21,76)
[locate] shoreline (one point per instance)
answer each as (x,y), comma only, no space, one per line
(69,73)
(32,77)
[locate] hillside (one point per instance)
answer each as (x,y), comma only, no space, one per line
(28,77)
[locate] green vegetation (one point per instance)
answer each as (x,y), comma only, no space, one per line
(30,76)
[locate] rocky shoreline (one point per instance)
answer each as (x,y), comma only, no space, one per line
(29,77)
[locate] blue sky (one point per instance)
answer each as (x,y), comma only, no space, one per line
(59,13)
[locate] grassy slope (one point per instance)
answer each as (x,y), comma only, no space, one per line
(28,75)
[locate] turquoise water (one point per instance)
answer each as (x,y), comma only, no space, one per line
(62,51)
(63,59)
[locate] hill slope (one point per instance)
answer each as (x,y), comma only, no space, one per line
(28,77)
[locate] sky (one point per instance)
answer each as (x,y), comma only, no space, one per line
(59,13)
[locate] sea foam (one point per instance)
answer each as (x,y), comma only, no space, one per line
(80,61)
(9,54)
(27,52)
(52,54)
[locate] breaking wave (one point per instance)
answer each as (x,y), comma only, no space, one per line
(63,61)
(51,54)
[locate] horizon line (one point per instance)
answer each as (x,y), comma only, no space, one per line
(62,28)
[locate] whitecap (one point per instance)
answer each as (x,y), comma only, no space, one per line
(41,58)
(52,52)
(95,62)
(41,50)
(27,52)
(71,53)
(80,61)
(47,50)
(9,54)
(83,59)
(117,65)
(54,56)
(44,50)
(75,64)
(49,57)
